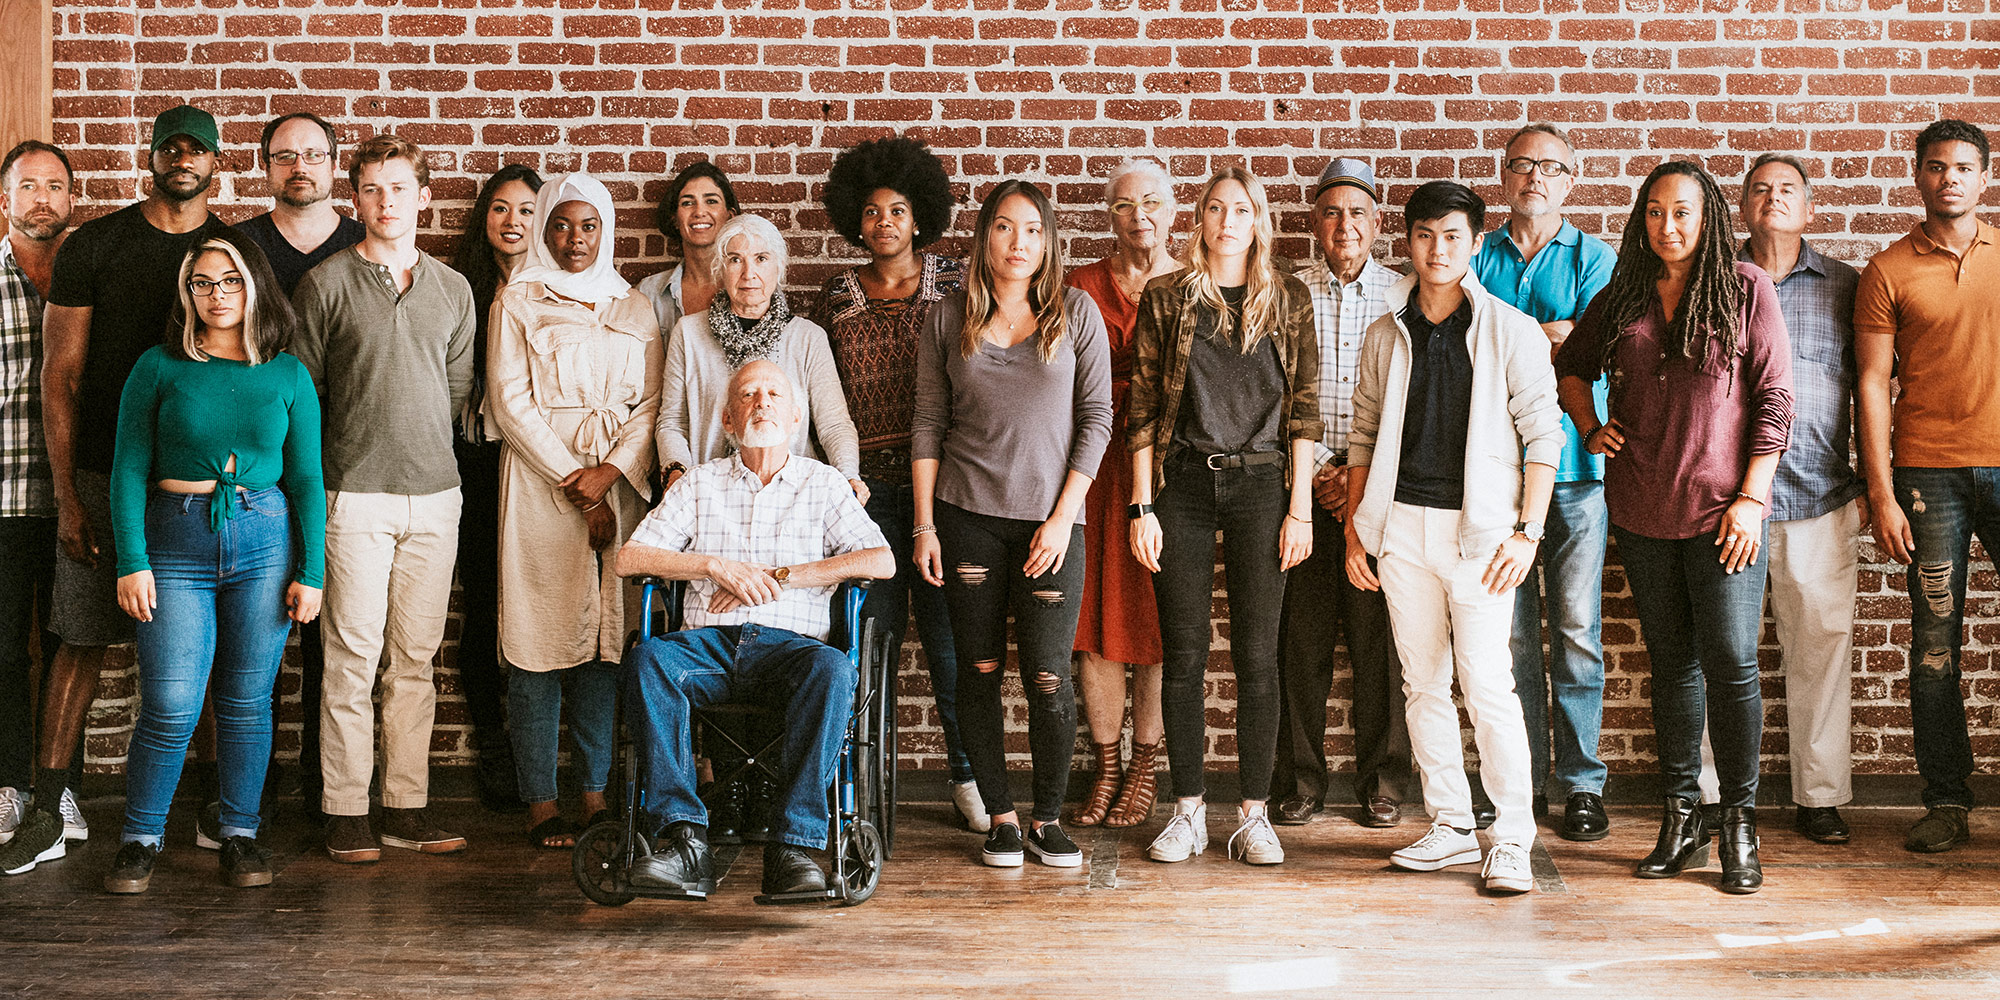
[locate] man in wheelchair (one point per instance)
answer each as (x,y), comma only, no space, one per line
(763,537)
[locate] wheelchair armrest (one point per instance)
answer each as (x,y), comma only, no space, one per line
(676,593)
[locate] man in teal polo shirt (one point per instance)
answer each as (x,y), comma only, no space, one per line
(1546,268)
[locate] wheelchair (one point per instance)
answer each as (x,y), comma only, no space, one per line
(861,797)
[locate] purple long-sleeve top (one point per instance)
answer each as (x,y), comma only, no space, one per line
(1690,429)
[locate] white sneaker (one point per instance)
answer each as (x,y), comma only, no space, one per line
(1442,847)
(1185,836)
(1507,869)
(13,808)
(1255,842)
(75,827)
(965,795)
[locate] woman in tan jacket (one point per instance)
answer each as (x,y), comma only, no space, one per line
(573,384)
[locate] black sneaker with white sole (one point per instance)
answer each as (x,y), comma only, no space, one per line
(1003,847)
(1054,847)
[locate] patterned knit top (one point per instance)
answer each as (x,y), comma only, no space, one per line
(875,349)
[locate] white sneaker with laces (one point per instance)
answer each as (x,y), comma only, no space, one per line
(1255,842)
(13,808)
(1442,847)
(1186,834)
(965,795)
(1507,869)
(75,827)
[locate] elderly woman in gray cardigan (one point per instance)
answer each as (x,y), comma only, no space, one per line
(1452,460)
(749,320)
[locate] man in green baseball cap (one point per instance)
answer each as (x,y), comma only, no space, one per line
(189,121)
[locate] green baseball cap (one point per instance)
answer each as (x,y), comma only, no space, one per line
(189,121)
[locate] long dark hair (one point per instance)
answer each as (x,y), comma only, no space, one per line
(1711,307)
(473,257)
(268,319)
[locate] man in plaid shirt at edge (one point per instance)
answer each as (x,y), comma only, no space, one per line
(763,537)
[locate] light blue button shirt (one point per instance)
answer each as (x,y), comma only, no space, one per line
(1557,285)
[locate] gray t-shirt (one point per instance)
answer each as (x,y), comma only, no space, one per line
(392,370)
(1232,399)
(1005,427)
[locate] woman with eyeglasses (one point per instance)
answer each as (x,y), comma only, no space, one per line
(1118,627)
(220,518)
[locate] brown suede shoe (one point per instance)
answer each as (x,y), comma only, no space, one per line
(412,830)
(350,841)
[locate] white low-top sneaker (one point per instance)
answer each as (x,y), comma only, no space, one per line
(1442,847)
(13,808)
(1186,834)
(1507,869)
(1255,842)
(75,827)
(965,795)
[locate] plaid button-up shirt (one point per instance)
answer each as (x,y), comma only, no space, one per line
(1341,314)
(26,489)
(806,513)
(1816,475)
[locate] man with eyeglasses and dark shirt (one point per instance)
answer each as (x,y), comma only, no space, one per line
(113,290)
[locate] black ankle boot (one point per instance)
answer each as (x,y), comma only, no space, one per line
(1683,841)
(1742,873)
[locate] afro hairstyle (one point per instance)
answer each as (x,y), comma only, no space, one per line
(900,164)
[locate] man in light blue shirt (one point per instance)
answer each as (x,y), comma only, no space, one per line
(1546,268)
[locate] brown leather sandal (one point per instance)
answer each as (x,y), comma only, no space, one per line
(1142,782)
(1110,774)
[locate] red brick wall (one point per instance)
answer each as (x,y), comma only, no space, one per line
(1057,91)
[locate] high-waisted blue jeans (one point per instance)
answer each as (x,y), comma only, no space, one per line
(534,715)
(221,607)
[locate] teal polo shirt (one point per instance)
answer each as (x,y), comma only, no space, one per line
(1557,285)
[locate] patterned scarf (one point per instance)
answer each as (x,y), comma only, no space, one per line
(741,345)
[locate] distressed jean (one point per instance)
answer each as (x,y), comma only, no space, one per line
(1946,508)
(890,602)
(1572,570)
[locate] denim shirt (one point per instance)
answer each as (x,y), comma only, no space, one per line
(1557,285)
(1815,475)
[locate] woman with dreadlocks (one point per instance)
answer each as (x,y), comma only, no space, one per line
(1701,408)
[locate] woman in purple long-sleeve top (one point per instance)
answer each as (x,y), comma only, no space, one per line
(1701,408)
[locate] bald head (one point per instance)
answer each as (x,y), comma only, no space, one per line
(760,409)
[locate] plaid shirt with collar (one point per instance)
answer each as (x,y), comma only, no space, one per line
(1341,314)
(806,513)
(26,488)
(1816,475)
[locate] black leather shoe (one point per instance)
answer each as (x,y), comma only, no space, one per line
(1298,810)
(1381,811)
(680,865)
(1742,874)
(1584,819)
(1683,841)
(1483,814)
(1821,824)
(789,870)
(725,812)
(1711,817)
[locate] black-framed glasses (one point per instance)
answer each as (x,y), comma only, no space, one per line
(1525,165)
(202,287)
(287,157)
(1126,206)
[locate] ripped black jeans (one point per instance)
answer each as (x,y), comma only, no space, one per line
(1946,508)
(983,581)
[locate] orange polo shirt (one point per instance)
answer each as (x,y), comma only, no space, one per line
(1944,311)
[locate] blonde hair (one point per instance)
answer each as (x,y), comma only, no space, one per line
(1262,307)
(254,346)
(1045,289)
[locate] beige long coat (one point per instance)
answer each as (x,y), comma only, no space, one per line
(568,387)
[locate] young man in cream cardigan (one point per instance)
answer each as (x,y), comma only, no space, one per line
(1452,458)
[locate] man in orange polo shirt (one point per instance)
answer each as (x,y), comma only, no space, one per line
(1926,312)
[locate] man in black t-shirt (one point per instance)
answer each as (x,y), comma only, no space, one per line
(302,228)
(116,281)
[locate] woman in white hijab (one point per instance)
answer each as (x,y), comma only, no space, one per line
(573,382)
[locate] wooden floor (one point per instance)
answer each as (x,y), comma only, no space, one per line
(502,921)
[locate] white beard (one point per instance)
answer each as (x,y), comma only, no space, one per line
(763,435)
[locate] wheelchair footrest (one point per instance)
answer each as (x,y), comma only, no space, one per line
(647,892)
(795,898)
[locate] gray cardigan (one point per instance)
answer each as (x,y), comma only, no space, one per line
(697,374)
(1515,418)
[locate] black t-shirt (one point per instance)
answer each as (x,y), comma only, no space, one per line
(286,261)
(1431,470)
(1232,400)
(125,271)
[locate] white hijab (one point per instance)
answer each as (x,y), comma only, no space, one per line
(600,282)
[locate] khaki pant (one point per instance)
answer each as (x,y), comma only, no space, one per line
(389,561)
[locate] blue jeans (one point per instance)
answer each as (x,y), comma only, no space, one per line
(1573,570)
(534,714)
(1701,626)
(221,605)
(891,601)
(668,677)
(1946,507)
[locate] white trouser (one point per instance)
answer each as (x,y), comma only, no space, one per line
(389,560)
(1441,616)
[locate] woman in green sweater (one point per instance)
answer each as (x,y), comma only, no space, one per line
(217,507)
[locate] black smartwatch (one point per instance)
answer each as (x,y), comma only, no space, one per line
(1136,511)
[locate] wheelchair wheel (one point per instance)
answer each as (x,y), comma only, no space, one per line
(599,862)
(862,856)
(886,756)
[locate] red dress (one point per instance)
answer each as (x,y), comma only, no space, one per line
(1119,620)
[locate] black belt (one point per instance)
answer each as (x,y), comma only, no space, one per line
(1242,459)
